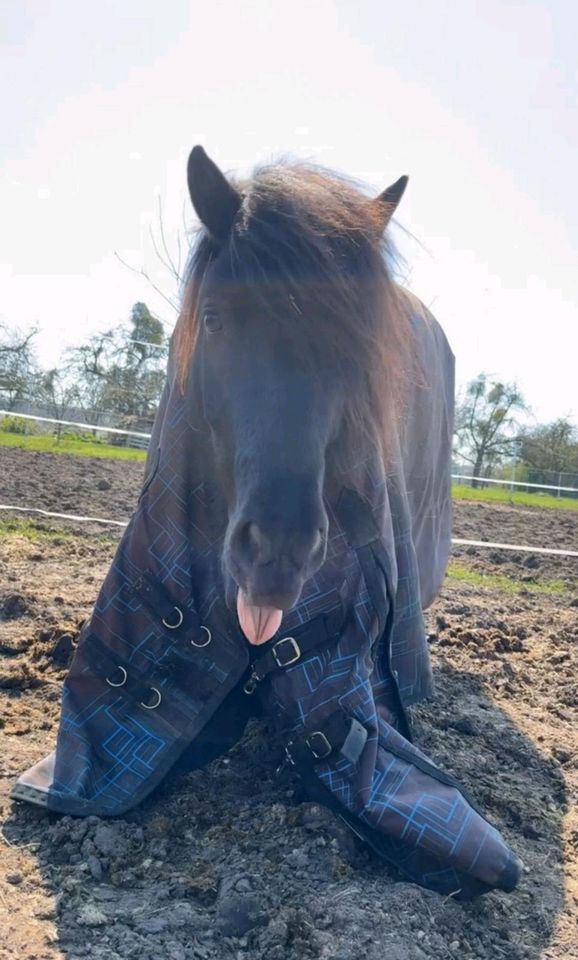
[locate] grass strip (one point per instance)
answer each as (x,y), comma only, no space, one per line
(515,497)
(73,446)
(39,531)
(460,573)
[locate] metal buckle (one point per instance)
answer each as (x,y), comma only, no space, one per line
(207,633)
(324,744)
(250,685)
(152,706)
(295,648)
(122,680)
(174,626)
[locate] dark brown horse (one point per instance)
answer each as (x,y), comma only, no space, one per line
(301,444)
(299,349)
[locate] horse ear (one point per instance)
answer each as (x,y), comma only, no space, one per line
(215,201)
(388,200)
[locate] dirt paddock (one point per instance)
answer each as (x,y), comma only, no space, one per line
(231,862)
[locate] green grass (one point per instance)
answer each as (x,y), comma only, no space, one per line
(70,445)
(84,448)
(459,573)
(39,531)
(501,495)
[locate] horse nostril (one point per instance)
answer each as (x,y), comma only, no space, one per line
(290,549)
(250,544)
(307,549)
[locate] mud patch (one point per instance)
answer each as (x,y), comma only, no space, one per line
(234,863)
(13,606)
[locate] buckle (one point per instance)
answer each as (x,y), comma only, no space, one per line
(178,620)
(205,638)
(320,747)
(250,685)
(296,652)
(123,677)
(156,701)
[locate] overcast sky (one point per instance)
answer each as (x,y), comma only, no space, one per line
(477,102)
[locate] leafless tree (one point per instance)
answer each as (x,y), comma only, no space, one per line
(17,364)
(173,262)
(486,425)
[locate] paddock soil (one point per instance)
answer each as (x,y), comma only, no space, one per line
(232,862)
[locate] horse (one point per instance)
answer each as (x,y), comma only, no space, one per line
(293,524)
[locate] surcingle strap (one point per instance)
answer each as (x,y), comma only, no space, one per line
(172,617)
(120,675)
(338,734)
(362,533)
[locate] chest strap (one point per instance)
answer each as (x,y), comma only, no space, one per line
(284,653)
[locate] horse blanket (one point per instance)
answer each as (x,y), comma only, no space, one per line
(164,677)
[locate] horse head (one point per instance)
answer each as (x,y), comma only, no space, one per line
(291,335)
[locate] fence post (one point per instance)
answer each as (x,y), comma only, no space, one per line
(513,483)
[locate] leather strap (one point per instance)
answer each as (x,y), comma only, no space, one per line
(362,533)
(289,650)
(148,589)
(120,675)
(337,734)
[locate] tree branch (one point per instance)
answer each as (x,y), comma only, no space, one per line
(142,273)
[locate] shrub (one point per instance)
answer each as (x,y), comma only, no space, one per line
(17,425)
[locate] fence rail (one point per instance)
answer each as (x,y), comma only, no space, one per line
(146,436)
(522,548)
(75,423)
(514,483)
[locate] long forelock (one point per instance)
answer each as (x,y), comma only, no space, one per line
(304,236)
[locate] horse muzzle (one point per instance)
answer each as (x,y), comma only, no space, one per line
(271,568)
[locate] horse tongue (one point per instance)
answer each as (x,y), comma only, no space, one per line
(258,624)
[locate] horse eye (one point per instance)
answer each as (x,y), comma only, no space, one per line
(211,322)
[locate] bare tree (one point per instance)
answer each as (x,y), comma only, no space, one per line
(87,366)
(122,370)
(58,393)
(173,262)
(486,425)
(17,364)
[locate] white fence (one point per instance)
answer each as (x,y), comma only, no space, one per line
(555,482)
(77,424)
(514,483)
(135,438)
(146,436)
(459,477)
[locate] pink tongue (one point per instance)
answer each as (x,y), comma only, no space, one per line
(258,624)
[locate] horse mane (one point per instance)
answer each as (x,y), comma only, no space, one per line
(307,235)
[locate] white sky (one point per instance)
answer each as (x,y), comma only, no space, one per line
(477,102)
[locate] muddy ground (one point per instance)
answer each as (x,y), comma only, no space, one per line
(231,862)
